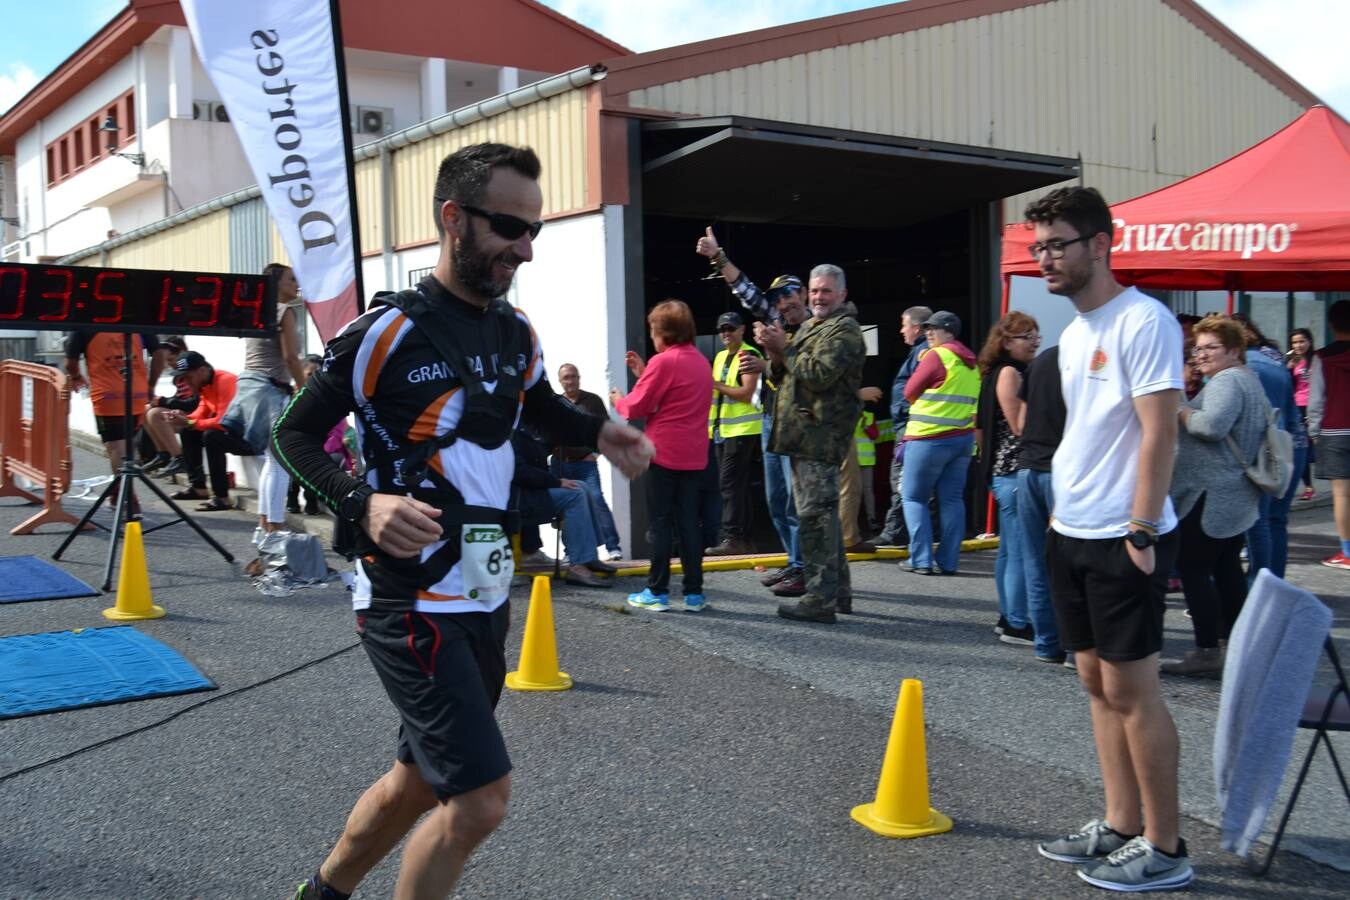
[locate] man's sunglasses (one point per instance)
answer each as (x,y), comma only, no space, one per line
(503,225)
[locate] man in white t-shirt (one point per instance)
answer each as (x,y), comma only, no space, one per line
(1114,540)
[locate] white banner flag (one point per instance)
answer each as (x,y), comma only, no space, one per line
(276,68)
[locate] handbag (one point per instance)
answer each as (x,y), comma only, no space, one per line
(1274,464)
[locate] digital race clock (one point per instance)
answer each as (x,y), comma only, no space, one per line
(67,298)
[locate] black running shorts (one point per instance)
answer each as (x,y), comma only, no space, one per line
(113,428)
(444,672)
(1102,601)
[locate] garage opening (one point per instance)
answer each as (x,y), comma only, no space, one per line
(910,222)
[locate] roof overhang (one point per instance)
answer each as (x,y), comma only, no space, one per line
(756,170)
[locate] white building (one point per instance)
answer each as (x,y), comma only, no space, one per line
(129,129)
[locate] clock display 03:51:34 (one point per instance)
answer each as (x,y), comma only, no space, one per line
(46,296)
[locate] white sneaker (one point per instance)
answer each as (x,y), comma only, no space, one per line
(615,555)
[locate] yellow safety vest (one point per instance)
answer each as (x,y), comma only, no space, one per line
(867,448)
(950,407)
(737,419)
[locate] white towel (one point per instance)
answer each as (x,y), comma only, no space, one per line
(1272,657)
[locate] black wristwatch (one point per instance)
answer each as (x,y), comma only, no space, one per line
(353,506)
(1141,539)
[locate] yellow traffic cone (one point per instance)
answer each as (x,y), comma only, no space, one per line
(901,808)
(539,650)
(133,581)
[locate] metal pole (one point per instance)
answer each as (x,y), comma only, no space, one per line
(340,61)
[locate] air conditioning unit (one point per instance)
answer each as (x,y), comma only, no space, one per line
(218,113)
(374,120)
(201,110)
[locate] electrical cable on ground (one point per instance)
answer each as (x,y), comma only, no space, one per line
(174,715)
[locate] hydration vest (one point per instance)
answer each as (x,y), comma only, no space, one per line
(488,419)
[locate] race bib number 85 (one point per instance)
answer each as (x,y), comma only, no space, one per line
(485,561)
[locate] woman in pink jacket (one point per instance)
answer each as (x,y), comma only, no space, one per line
(673,393)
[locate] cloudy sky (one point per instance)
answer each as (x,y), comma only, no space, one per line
(1306,38)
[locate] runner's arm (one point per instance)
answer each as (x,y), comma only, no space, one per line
(557,421)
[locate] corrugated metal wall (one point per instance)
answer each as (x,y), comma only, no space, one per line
(368,204)
(555,128)
(250,236)
(1143,95)
(202,245)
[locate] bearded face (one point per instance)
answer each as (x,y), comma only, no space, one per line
(485,274)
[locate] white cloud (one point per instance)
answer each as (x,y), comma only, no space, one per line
(18,81)
(1305,38)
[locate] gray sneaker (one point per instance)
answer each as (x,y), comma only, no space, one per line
(1140,866)
(1091,843)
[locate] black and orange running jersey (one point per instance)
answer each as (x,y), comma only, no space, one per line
(384,369)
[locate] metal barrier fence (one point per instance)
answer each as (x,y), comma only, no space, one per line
(35,439)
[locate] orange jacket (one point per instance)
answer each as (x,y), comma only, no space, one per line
(215,397)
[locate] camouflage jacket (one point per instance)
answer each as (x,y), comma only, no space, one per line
(817,404)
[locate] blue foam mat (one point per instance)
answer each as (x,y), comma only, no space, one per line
(30,578)
(89,667)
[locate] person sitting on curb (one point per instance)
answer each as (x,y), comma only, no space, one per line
(544,497)
(167,451)
(200,431)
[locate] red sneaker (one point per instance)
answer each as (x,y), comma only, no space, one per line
(1337,560)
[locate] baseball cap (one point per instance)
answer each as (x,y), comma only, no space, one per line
(729,318)
(189,360)
(783,283)
(947,321)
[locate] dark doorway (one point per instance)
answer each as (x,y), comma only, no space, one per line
(908,221)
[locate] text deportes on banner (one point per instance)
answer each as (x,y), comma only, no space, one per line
(276,69)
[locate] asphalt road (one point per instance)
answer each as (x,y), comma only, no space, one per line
(711,755)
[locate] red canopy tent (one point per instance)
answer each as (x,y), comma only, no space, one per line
(1274,217)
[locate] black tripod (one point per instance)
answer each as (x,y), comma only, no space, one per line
(123,483)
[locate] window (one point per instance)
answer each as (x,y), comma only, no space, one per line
(87,143)
(128,118)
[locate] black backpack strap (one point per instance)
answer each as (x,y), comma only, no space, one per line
(413,303)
